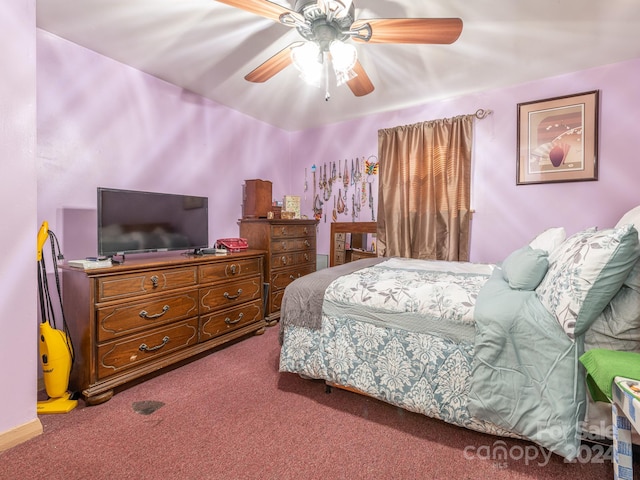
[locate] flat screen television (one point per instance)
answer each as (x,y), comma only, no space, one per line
(136,222)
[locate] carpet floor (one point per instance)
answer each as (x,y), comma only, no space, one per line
(231,415)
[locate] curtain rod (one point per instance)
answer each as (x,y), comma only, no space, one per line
(482,113)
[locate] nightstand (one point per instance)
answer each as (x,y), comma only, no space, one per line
(625,411)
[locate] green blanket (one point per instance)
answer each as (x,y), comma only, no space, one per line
(604,365)
(526,376)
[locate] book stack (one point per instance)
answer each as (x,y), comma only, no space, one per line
(90,264)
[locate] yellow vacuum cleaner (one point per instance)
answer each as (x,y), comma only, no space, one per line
(56,350)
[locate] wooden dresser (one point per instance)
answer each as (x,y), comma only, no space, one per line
(291,253)
(130,320)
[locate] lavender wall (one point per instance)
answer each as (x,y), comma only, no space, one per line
(507,216)
(101,123)
(18,283)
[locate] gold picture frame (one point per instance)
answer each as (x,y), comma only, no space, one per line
(558,139)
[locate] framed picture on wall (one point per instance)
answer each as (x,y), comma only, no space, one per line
(558,139)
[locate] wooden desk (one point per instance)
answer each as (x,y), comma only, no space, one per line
(338,252)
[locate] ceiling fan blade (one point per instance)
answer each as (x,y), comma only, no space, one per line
(361,84)
(407,30)
(273,65)
(266,9)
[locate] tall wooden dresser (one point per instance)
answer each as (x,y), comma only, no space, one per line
(130,320)
(291,253)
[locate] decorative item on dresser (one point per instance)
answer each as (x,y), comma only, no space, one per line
(291,253)
(133,319)
(340,252)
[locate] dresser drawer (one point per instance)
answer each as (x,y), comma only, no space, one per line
(292,259)
(223,322)
(276,299)
(126,318)
(290,244)
(230,294)
(118,355)
(227,270)
(289,231)
(132,284)
(283,278)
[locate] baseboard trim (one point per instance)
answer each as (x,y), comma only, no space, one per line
(20,434)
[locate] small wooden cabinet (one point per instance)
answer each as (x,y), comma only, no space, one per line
(340,252)
(133,319)
(291,253)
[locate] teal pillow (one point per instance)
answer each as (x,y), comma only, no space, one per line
(525,268)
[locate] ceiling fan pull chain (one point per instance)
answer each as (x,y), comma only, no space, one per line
(325,63)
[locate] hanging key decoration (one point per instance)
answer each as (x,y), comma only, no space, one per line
(373,215)
(334,176)
(353,173)
(324,177)
(340,201)
(327,192)
(354,212)
(363,196)
(340,169)
(357,176)
(334,213)
(317,207)
(317,203)
(345,179)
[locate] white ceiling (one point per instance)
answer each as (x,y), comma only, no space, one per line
(208,47)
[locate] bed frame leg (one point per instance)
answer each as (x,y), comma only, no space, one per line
(327,388)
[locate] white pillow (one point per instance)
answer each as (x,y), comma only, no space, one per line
(632,217)
(549,239)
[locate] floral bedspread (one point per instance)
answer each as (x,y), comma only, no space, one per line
(363,341)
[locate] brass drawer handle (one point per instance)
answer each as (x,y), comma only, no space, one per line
(284,260)
(306,257)
(154,281)
(293,278)
(284,230)
(284,245)
(144,348)
(232,297)
(228,321)
(145,314)
(233,268)
(306,243)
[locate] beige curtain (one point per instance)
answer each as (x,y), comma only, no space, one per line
(424,190)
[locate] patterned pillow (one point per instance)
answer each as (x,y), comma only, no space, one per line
(525,268)
(586,272)
(632,217)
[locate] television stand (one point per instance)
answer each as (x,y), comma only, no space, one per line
(129,321)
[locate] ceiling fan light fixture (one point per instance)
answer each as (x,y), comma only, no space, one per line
(343,55)
(343,76)
(343,58)
(308,59)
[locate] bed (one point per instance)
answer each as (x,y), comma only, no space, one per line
(493,348)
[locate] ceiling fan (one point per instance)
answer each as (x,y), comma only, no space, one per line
(326,27)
